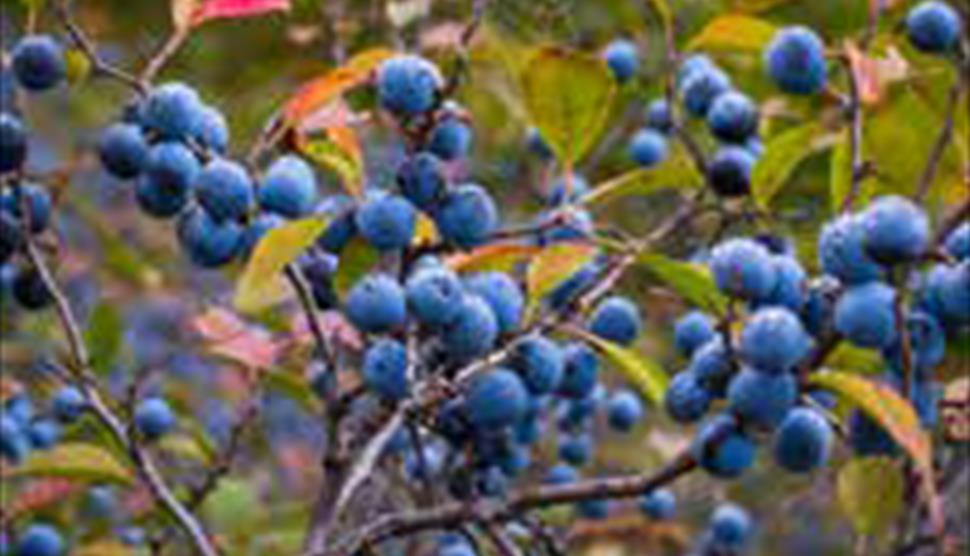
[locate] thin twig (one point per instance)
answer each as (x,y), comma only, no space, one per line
(164,54)
(503,544)
(66,14)
(942,139)
(140,457)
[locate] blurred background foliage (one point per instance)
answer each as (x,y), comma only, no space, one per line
(131,283)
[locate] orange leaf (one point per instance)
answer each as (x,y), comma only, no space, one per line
(874,75)
(328,87)
(227,335)
(497,256)
(41,493)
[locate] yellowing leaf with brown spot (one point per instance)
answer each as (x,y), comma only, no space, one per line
(260,285)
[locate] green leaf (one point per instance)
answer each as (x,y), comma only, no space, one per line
(840,175)
(502,257)
(692,282)
(677,172)
(552,265)
(104,548)
(568,95)
(734,33)
(644,373)
(103,336)
(184,446)
(870,492)
(78,461)
(783,154)
(260,285)
(357,259)
(856,360)
(234,507)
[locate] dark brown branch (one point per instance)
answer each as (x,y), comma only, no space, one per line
(83,42)
(485,511)
(942,139)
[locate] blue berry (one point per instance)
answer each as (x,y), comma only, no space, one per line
(556,195)
(68,404)
(958,242)
(30,290)
(20,409)
(622,58)
(434,295)
(580,372)
(208,243)
(123,150)
(172,110)
(693,64)
(41,539)
(14,444)
(701,88)
(571,287)
(934,27)
(537,145)
(256,229)
(820,305)
(539,361)
(803,441)
(686,400)
(38,62)
(732,117)
(868,438)
(659,504)
(647,147)
(502,294)
(729,171)
(408,85)
(496,399)
(866,316)
(616,319)
(730,526)
(795,60)
(895,230)
(692,331)
(44,434)
(451,138)
(289,188)
(385,369)
(473,331)
(946,293)
(790,287)
(743,268)
(762,398)
(422,180)
(340,210)
(386,221)
(561,474)
(576,449)
(13,143)
(467,216)
(38,203)
(842,254)
(624,410)
(163,189)
(154,418)
(376,304)
(224,190)
(659,116)
(773,340)
(721,449)
(926,340)
(211,131)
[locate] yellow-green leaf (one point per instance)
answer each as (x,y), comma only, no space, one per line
(75,460)
(783,153)
(897,416)
(568,95)
(77,66)
(502,257)
(356,259)
(870,492)
(692,282)
(554,264)
(644,373)
(337,153)
(734,33)
(104,548)
(260,287)
(856,360)
(662,9)
(184,446)
(677,172)
(103,336)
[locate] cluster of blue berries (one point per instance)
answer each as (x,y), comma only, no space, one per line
(37,64)
(758,372)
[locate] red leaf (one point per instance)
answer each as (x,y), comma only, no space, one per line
(42,493)
(228,9)
(230,337)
